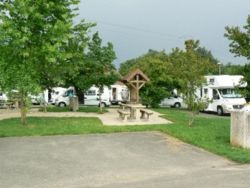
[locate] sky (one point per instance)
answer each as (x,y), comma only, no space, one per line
(135,26)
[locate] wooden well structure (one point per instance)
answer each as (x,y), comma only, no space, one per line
(135,80)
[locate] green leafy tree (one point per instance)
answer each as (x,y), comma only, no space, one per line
(77,70)
(32,36)
(232,69)
(246,74)
(207,54)
(240,46)
(239,40)
(100,58)
(190,72)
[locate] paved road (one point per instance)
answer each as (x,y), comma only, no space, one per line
(114,160)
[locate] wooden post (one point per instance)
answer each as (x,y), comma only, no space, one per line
(137,89)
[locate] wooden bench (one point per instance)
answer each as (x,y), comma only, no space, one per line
(144,113)
(123,114)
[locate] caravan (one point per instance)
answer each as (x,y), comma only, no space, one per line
(222,92)
(114,94)
(52,94)
(91,97)
(3,96)
(119,93)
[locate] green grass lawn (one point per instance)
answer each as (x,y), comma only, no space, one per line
(211,132)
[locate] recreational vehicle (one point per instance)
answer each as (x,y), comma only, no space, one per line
(222,92)
(119,93)
(91,97)
(52,94)
(3,96)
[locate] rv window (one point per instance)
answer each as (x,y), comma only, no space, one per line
(205,91)
(215,95)
(230,93)
(91,92)
(211,81)
(1,94)
(69,93)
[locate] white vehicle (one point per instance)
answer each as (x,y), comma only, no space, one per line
(119,93)
(36,99)
(223,93)
(3,96)
(54,93)
(174,101)
(91,97)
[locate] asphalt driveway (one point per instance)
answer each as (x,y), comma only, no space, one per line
(114,160)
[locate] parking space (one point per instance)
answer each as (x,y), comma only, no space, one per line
(114,160)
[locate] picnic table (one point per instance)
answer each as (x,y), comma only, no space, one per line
(8,104)
(134,110)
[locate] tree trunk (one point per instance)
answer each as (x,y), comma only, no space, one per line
(191,118)
(23,109)
(80,94)
(100,98)
(44,103)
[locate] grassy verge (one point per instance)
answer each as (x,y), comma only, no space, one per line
(86,109)
(210,133)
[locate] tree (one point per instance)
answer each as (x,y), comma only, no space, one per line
(207,54)
(240,46)
(77,70)
(239,40)
(191,70)
(246,74)
(232,69)
(101,60)
(32,36)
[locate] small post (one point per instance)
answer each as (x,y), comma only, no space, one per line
(240,129)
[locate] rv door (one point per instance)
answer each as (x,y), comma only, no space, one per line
(91,97)
(216,100)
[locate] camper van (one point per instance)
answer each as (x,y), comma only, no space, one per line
(222,92)
(91,97)
(52,94)
(119,93)
(3,96)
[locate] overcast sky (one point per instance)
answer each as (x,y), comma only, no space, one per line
(134,26)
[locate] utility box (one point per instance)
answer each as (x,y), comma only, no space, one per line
(74,103)
(240,129)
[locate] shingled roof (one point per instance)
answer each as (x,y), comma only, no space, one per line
(131,75)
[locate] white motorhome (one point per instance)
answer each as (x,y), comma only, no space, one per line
(222,92)
(3,96)
(119,93)
(52,94)
(91,97)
